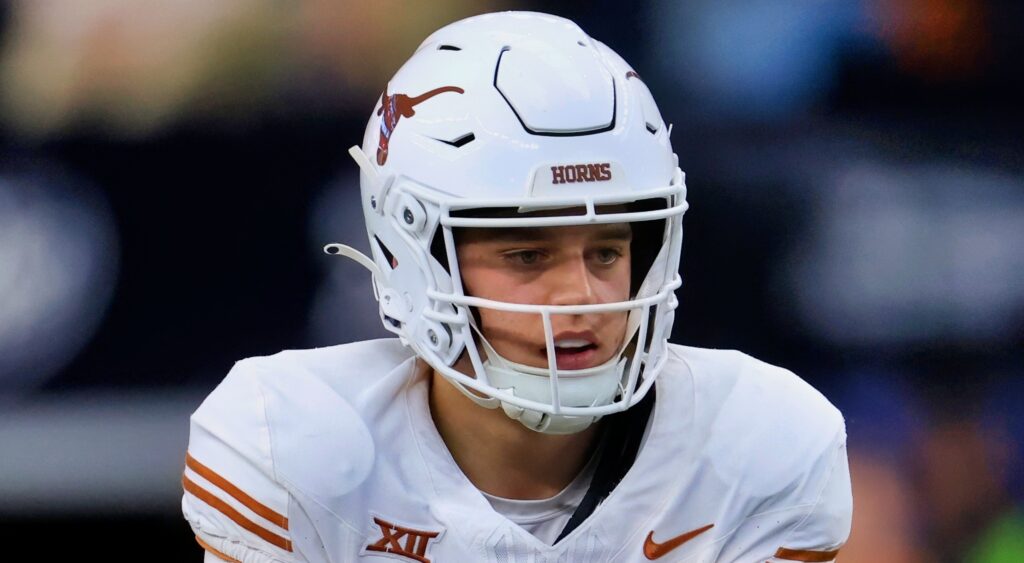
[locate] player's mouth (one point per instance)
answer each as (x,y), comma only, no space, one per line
(575,350)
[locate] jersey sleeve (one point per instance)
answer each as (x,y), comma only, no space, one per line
(818,535)
(811,522)
(232,499)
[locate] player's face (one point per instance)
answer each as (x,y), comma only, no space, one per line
(574,265)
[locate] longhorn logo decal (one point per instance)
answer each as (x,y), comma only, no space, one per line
(397,106)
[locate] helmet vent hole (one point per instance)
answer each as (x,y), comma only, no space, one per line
(388,256)
(581,43)
(460,141)
(448,48)
(652,127)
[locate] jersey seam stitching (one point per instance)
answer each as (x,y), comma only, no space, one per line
(408,417)
(282,480)
(821,491)
(786,509)
(241,541)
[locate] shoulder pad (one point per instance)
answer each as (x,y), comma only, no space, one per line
(321,445)
(764,425)
(809,521)
(268,430)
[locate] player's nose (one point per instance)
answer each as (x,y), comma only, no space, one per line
(573,282)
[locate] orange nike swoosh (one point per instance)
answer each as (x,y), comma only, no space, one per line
(654,550)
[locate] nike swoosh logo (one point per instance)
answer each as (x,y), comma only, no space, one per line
(654,550)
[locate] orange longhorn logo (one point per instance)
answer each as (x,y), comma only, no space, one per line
(397,106)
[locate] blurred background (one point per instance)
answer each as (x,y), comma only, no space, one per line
(169,172)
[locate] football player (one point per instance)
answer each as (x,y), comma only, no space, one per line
(524,209)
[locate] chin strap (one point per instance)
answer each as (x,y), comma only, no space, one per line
(588,387)
(593,386)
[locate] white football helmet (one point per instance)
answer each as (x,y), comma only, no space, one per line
(521,112)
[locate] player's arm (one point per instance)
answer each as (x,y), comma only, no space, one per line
(235,505)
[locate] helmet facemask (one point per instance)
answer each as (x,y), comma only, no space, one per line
(588,353)
(448,327)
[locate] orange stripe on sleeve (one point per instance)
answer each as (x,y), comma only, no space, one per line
(210,548)
(238,494)
(806,555)
(233,514)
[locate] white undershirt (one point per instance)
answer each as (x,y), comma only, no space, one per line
(545,518)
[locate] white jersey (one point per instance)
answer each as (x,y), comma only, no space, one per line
(330,455)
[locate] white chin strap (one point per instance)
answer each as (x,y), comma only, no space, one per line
(588,387)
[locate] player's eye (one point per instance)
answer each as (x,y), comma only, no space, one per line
(607,256)
(524,257)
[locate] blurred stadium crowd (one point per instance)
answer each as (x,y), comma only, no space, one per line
(170,170)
